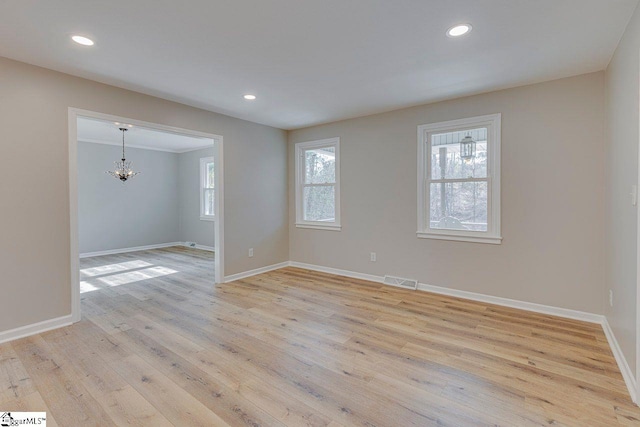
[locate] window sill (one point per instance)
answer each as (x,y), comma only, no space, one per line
(207,218)
(458,238)
(319,226)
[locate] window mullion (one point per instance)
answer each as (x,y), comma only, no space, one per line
(447,180)
(326,184)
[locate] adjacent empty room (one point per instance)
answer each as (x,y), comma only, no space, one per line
(170,208)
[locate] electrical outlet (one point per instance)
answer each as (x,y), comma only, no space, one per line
(373,257)
(250,252)
(610,297)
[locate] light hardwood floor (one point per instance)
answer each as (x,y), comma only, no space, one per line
(159,345)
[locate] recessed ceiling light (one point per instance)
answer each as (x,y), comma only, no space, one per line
(250,97)
(459,30)
(82,40)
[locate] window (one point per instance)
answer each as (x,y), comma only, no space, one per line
(207,189)
(459,180)
(318,184)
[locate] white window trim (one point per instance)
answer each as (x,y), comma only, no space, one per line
(493,234)
(300,170)
(203,176)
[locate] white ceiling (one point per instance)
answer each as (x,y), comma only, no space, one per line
(103,132)
(311,62)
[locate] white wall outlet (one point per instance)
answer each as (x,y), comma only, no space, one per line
(250,252)
(610,297)
(634,195)
(373,257)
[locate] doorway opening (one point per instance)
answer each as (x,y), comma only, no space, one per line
(160,225)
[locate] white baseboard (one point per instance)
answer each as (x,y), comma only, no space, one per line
(337,271)
(201,247)
(256,271)
(627,374)
(35,328)
(134,249)
(144,248)
(505,302)
(512,303)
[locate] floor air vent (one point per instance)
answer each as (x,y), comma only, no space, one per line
(400,282)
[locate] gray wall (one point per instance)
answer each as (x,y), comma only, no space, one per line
(552,197)
(622,114)
(192,228)
(34,243)
(112,215)
(161,205)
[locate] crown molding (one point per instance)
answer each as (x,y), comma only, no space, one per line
(139,147)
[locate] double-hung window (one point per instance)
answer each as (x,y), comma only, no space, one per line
(207,189)
(459,180)
(318,184)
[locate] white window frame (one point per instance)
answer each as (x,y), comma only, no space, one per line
(493,124)
(203,179)
(301,147)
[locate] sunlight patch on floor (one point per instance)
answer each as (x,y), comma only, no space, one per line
(87,287)
(125,278)
(114,268)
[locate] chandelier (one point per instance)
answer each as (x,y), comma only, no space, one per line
(123,170)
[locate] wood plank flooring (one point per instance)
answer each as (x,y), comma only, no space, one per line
(159,345)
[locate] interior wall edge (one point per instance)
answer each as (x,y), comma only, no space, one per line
(35,328)
(621,360)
